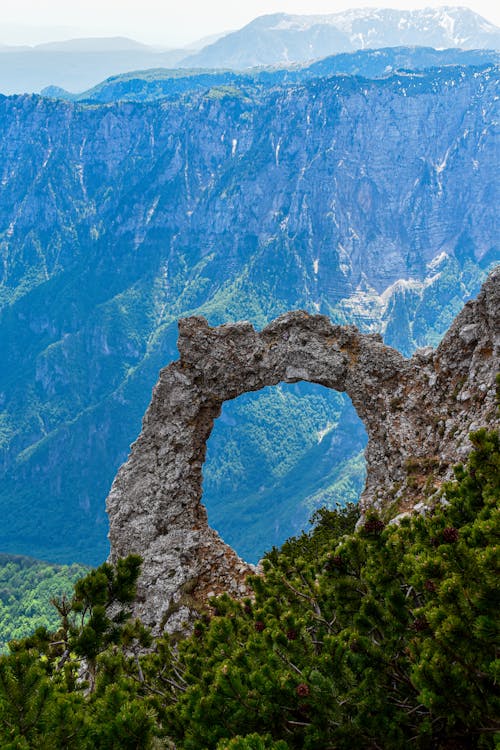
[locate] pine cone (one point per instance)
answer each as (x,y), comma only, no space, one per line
(374,526)
(303,690)
(450,535)
(420,624)
(334,562)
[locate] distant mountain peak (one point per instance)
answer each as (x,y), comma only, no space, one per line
(93,44)
(285,38)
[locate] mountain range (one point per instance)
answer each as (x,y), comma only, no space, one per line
(151,84)
(279,39)
(371,200)
(282,38)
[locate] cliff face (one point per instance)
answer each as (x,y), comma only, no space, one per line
(174,178)
(368,201)
(417,413)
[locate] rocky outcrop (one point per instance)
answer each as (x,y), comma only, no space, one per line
(417,413)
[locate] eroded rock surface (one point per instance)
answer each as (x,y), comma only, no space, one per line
(417,412)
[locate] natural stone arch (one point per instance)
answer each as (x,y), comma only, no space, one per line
(155,504)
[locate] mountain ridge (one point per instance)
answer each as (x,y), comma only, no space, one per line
(258,43)
(164,83)
(287,38)
(117,219)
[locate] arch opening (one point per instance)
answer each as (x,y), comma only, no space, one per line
(274,457)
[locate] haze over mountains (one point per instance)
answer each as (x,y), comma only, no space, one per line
(76,64)
(277,39)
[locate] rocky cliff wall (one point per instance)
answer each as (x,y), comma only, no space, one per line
(417,413)
(371,202)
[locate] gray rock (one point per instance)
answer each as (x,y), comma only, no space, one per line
(470,333)
(417,432)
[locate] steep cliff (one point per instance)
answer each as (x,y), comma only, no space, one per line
(369,201)
(417,413)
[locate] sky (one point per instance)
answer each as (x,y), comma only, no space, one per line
(168,23)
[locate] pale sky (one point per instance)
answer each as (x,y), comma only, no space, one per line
(169,23)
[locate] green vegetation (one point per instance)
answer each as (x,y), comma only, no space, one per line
(274,448)
(382,638)
(26,589)
(225,92)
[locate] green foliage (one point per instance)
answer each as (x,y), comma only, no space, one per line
(380,637)
(45,702)
(95,618)
(252,742)
(225,92)
(26,589)
(273,448)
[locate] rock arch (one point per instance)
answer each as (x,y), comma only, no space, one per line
(417,413)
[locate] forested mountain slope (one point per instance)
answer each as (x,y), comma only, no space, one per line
(370,201)
(26,589)
(158,83)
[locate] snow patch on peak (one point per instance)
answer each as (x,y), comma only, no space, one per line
(438,260)
(457,22)
(399,286)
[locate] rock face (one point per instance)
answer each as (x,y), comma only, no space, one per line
(417,413)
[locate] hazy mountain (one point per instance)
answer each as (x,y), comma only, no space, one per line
(146,85)
(79,64)
(94,44)
(206,40)
(14,48)
(372,201)
(283,38)
(76,64)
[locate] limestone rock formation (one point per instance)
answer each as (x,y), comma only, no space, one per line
(417,413)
